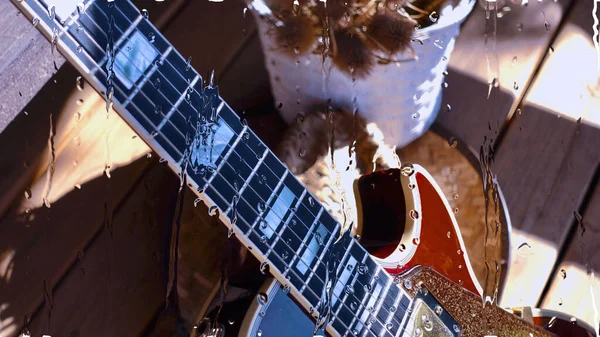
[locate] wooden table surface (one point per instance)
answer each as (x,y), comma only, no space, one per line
(543,123)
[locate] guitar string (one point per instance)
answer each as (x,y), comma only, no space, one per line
(238,154)
(178,130)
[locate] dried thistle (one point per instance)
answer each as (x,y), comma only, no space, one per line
(353,54)
(391,31)
(297,34)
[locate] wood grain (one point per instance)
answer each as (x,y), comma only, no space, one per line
(573,290)
(211,33)
(116,286)
(547,159)
(26,62)
(517,55)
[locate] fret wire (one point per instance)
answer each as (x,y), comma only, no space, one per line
(303,191)
(325,248)
(177,103)
(146,76)
(269,202)
(146,73)
(176,69)
(341,268)
(311,229)
(391,317)
(73,18)
(304,243)
(353,282)
(252,174)
(298,203)
(278,236)
(124,35)
(146,117)
(246,182)
(65,32)
(379,303)
(134,25)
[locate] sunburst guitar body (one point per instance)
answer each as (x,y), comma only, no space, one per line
(408,227)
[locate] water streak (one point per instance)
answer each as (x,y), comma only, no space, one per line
(50,169)
(492,226)
(110,60)
(596,36)
(491,28)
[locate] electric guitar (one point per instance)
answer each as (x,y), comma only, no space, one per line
(341,287)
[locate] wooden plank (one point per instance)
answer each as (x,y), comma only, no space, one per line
(547,159)
(43,246)
(246,85)
(211,33)
(26,62)
(471,112)
(116,286)
(572,290)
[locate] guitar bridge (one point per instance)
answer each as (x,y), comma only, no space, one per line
(429,318)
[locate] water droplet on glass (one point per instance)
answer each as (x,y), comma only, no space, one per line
(263,239)
(415,241)
(311,201)
(412,186)
(348,289)
(197,201)
(79,102)
(28,194)
(547,25)
(302,152)
(413,214)
(35,21)
(456,210)
(212,210)
(262,298)
(407,170)
(264,268)
(433,16)
(261,206)
(453,142)
(145,13)
(319,238)
(520,26)
(416,115)
(519,111)
(367,287)
(363,269)
(563,274)
(157,109)
(560,301)
(515,85)
(551,49)
(353,305)
(79,82)
(439,44)
(188,64)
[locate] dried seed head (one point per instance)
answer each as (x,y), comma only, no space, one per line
(392,31)
(353,55)
(297,34)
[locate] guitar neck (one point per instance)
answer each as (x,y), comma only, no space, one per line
(183,118)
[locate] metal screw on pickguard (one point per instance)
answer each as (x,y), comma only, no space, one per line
(438,310)
(456,328)
(407,284)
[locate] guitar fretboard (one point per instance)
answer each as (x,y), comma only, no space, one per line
(186,121)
